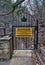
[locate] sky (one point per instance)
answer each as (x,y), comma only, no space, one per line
(13,1)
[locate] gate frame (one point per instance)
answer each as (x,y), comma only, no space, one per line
(35,35)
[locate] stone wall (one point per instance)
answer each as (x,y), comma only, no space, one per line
(41,34)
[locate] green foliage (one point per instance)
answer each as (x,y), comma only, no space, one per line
(8,5)
(11,7)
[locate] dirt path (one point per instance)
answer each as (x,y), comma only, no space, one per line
(20,58)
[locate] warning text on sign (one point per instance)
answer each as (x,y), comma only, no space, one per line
(24,32)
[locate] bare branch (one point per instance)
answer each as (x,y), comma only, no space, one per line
(14,7)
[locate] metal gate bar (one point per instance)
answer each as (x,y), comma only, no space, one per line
(35,35)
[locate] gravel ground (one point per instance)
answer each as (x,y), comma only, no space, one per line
(24,58)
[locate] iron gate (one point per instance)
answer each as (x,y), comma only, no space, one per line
(25,43)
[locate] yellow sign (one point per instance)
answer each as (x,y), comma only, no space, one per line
(24,32)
